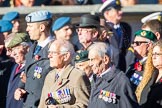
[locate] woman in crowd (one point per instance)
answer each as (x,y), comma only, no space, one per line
(148,92)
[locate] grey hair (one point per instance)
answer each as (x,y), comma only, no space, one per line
(66,46)
(26,44)
(101,49)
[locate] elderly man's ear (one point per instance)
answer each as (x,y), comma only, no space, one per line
(106,59)
(67,56)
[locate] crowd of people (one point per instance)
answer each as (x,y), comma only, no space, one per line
(31,3)
(106,66)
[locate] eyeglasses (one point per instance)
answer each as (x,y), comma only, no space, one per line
(57,53)
(156,54)
(84,30)
(138,43)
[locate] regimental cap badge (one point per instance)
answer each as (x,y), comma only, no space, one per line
(143,33)
(159,18)
(28,18)
(81,56)
(117,2)
(77,57)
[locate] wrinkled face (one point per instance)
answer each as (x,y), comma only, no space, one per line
(28,3)
(84,66)
(55,56)
(64,33)
(85,35)
(113,15)
(140,46)
(18,53)
(96,62)
(16,25)
(157,57)
(33,30)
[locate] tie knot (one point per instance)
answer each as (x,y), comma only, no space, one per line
(18,68)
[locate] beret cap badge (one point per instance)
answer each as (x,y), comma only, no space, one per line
(28,18)
(117,2)
(77,57)
(143,33)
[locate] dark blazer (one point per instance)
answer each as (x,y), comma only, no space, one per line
(12,86)
(34,85)
(117,88)
(5,71)
(135,75)
(151,96)
(121,44)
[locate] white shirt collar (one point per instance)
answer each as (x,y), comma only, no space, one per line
(108,70)
(116,26)
(45,42)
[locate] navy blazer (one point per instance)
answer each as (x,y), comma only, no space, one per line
(12,86)
(34,85)
(115,83)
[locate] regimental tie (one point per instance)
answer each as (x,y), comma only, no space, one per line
(37,49)
(56,76)
(18,69)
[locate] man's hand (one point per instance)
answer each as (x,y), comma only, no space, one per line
(23,77)
(19,93)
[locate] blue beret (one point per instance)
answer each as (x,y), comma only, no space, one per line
(108,4)
(5,26)
(10,16)
(38,16)
(60,22)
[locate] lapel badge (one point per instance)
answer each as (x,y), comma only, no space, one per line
(59,83)
(36,57)
(38,75)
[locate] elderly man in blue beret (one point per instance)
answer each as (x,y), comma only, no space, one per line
(5,62)
(37,63)
(13,17)
(111,10)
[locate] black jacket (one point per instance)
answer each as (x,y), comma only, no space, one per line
(121,44)
(151,96)
(5,72)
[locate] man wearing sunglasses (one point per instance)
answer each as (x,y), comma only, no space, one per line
(137,55)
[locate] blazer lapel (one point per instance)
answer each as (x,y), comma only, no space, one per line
(63,79)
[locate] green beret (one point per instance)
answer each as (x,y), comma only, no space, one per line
(81,56)
(146,34)
(18,39)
